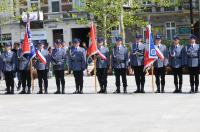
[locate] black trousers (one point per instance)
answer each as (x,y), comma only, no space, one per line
(42,76)
(178,76)
(194,76)
(60,78)
(102,77)
(78,75)
(25,78)
(9,79)
(160,77)
(139,75)
(120,72)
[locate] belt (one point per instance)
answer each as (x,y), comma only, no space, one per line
(177,58)
(121,61)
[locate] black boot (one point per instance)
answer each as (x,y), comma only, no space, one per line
(23,91)
(63,90)
(180,88)
(192,89)
(77,90)
(105,89)
(138,89)
(12,90)
(196,89)
(46,90)
(29,90)
(158,88)
(176,89)
(125,90)
(163,89)
(81,89)
(142,89)
(40,91)
(58,91)
(101,89)
(117,90)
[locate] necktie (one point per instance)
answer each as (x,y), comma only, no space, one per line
(118,48)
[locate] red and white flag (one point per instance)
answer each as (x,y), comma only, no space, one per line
(92,50)
(26,44)
(153,52)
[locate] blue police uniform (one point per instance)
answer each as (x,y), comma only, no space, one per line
(159,66)
(58,58)
(120,64)
(9,67)
(24,70)
(176,62)
(192,59)
(41,70)
(77,63)
(102,67)
(137,64)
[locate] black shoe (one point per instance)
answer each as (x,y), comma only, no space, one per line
(28,92)
(22,92)
(157,91)
(191,91)
(176,91)
(7,92)
(76,92)
(125,90)
(196,90)
(18,88)
(117,91)
(45,92)
(105,91)
(63,92)
(137,91)
(101,91)
(142,91)
(12,92)
(57,92)
(179,91)
(40,92)
(162,91)
(80,92)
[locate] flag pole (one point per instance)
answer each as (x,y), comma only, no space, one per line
(152,73)
(31,72)
(95,73)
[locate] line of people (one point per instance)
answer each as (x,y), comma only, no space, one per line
(119,58)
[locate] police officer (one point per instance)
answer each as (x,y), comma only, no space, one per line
(159,65)
(102,66)
(137,63)
(24,70)
(58,58)
(192,58)
(120,63)
(8,61)
(77,62)
(41,68)
(176,62)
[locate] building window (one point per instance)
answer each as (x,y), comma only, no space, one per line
(55,5)
(34,4)
(147,3)
(77,3)
(170,30)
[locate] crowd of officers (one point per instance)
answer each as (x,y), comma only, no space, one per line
(176,56)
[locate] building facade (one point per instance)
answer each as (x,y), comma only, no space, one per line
(59,22)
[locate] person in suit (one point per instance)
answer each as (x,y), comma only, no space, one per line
(120,64)
(176,62)
(41,68)
(9,66)
(16,51)
(58,59)
(77,63)
(137,63)
(102,66)
(24,70)
(192,58)
(159,65)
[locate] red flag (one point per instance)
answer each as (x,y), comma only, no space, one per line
(26,46)
(148,61)
(92,50)
(93,46)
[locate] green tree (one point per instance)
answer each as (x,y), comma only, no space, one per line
(109,14)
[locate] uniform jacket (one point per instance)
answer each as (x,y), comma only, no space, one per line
(58,58)
(39,65)
(176,56)
(103,63)
(137,54)
(8,61)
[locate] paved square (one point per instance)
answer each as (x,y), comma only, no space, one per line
(97,112)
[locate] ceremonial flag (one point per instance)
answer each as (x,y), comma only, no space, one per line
(26,44)
(41,57)
(92,50)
